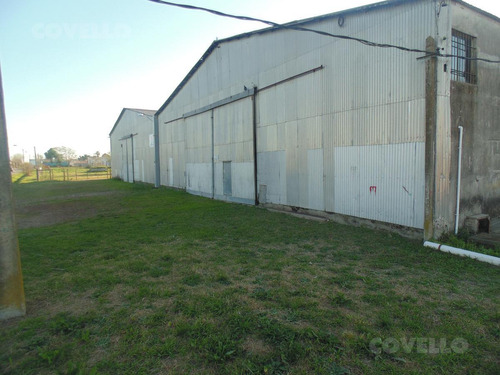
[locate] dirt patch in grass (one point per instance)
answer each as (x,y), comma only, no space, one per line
(63,197)
(56,210)
(46,214)
(255,346)
(117,296)
(79,303)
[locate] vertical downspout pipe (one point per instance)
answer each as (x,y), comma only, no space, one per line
(126,155)
(213,155)
(157,151)
(459,176)
(133,168)
(254,119)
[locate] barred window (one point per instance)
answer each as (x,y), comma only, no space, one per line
(462,47)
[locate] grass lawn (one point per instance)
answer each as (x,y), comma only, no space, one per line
(126,279)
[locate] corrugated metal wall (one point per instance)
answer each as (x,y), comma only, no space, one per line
(132,122)
(233,142)
(348,138)
(199,154)
(173,154)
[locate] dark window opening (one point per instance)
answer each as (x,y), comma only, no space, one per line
(462,48)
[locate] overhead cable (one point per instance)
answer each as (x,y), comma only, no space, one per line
(324,33)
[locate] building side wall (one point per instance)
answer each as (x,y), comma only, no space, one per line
(477,108)
(142,163)
(347,138)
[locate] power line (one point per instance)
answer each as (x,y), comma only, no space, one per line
(324,33)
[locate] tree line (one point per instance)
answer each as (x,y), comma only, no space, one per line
(53,154)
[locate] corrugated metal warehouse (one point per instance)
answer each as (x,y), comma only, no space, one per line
(324,124)
(132,146)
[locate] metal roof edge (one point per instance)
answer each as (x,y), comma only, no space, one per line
(361,9)
(193,70)
(117,121)
(143,111)
(148,112)
(479,10)
(214,44)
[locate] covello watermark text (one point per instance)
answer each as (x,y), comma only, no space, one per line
(423,345)
(81,31)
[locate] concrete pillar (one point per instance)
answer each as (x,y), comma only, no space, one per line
(430,138)
(12,302)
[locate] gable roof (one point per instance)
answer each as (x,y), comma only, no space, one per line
(361,9)
(147,112)
(144,112)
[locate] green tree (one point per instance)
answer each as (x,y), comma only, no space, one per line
(53,155)
(84,157)
(66,153)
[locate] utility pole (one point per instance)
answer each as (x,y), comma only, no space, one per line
(12,301)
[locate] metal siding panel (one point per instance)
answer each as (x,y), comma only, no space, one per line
(281,136)
(227,181)
(281,104)
(329,181)
(384,89)
(272,174)
(233,130)
(199,178)
(347,181)
(315,179)
(233,142)
(243,183)
(292,164)
(170,171)
(218,180)
(381,182)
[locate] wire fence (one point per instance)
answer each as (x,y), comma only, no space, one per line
(73,174)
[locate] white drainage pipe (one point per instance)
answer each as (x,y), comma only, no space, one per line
(464,253)
(459,176)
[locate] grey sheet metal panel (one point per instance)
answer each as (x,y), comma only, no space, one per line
(381,182)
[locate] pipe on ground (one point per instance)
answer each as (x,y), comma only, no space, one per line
(464,253)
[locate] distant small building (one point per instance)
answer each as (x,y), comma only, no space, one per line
(132,146)
(79,163)
(54,164)
(99,161)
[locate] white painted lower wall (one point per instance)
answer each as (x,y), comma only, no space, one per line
(377,182)
(242,182)
(271,173)
(199,178)
(381,182)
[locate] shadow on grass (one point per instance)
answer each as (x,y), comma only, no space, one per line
(20,179)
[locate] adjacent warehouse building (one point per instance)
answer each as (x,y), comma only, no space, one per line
(291,118)
(132,146)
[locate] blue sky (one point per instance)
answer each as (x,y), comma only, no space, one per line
(69,67)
